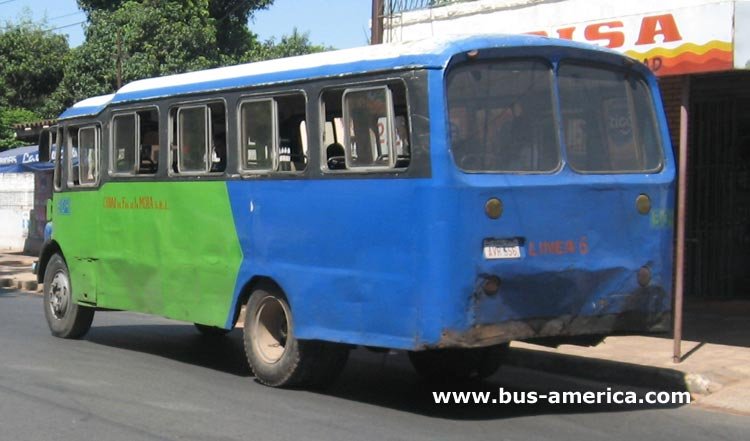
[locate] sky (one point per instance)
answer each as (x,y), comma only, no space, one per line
(338,23)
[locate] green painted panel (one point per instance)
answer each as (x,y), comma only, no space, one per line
(166,248)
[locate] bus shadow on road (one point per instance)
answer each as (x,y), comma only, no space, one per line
(177,342)
(388,380)
(381,379)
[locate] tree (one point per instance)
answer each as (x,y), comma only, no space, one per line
(233,38)
(297,43)
(9,117)
(127,40)
(31,64)
(138,40)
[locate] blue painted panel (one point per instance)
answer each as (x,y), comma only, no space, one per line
(396,262)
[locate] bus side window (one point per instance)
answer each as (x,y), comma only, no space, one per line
(292,137)
(257,140)
(148,141)
(123,143)
(198,138)
(57,157)
(366,127)
(83,161)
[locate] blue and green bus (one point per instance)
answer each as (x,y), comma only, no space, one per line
(442,197)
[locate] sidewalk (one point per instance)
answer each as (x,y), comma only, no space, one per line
(716,350)
(715,353)
(15,272)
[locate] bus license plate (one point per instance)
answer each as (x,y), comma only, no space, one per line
(502,249)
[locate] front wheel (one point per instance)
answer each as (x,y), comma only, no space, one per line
(275,355)
(441,365)
(65,318)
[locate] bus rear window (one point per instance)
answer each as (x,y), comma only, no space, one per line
(608,120)
(502,116)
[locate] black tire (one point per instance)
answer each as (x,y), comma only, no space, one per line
(445,365)
(276,357)
(65,318)
(211,331)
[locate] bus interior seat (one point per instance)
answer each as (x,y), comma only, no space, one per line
(147,165)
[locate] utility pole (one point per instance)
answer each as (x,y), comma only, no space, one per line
(376,27)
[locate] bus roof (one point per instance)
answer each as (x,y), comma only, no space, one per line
(432,53)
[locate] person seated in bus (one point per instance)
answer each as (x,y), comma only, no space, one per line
(218,155)
(335,156)
(517,149)
(149,152)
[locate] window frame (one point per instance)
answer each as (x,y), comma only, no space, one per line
(135,146)
(561,157)
(631,108)
(389,129)
(274,134)
(207,139)
(134,111)
(97,155)
(57,178)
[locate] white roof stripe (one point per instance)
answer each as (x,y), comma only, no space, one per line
(366,53)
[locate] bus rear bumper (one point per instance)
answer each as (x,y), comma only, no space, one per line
(558,327)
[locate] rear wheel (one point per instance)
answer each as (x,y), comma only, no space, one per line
(275,355)
(440,365)
(211,331)
(65,318)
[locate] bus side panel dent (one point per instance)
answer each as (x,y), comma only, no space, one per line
(603,302)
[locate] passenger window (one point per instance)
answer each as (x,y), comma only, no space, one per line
(192,139)
(257,134)
(56,156)
(273,135)
(200,135)
(83,162)
(124,144)
(366,128)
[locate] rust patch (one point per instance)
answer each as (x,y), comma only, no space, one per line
(564,326)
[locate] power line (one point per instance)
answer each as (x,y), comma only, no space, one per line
(66,26)
(6,1)
(65,15)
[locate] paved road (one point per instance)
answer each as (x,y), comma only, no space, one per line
(136,377)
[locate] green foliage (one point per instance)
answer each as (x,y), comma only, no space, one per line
(9,117)
(233,38)
(297,43)
(127,40)
(150,38)
(31,64)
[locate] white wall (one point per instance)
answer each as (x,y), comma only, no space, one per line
(16,203)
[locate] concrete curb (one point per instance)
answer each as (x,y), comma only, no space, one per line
(23,285)
(607,371)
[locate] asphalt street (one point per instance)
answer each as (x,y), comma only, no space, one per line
(136,377)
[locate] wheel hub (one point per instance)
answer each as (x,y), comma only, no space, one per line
(59,295)
(270,328)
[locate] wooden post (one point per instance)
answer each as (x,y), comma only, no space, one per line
(682,185)
(376,35)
